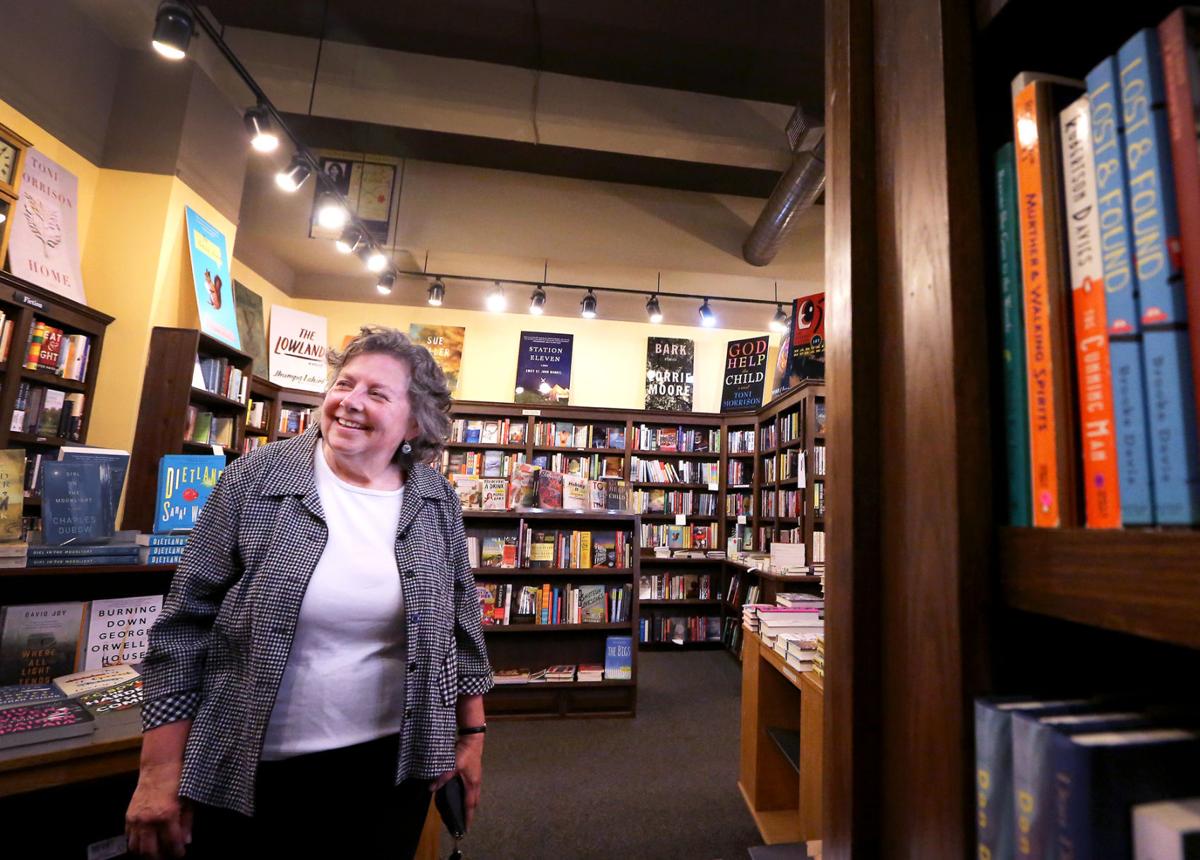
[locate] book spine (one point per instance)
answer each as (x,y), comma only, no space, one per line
(1172,406)
(1016,406)
(1046,340)
(1098,441)
(1121,297)
(80,561)
(1177,37)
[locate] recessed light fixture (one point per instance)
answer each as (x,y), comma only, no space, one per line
(294,176)
(262,136)
(437,292)
(537,302)
(707,318)
(496,302)
(386,281)
(587,307)
(172,30)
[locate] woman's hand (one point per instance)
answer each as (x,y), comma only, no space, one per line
(468,753)
(158,822)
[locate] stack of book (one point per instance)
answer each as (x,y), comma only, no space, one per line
(773,621)
(161,549)
(750,619)
(117,551)
(798,649)
(561,674)
(590,672)
(511,676)
(13,553)
(819,659)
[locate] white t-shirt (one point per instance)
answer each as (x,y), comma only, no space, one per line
(344,681)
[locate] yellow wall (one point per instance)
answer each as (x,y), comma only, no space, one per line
(608,366)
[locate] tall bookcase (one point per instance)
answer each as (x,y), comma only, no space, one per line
(276,402)
(167,394)
(934,602)
(536,646)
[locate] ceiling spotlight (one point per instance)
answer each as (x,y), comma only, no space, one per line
(537,302)
(331,214)
(294,176)
(587,307)
(258,122)
(437,292)
(349,241)
(707,318)
(172,30)
(495,299)
(779,322)
(386,281)
(373,258)
(653,310)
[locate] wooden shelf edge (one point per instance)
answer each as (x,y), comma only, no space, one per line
(1137,581)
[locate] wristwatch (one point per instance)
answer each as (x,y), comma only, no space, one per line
(472,730)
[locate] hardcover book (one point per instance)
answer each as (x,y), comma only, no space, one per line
(494,493)
(118,697)
(618,658)
(1121,297)
(185,481)
(541,548)
(604,549)
(669,373)
(31,724)
(12,492)
(76,503)
(1037,100)
(516,433)
(522,487)
(117,630)
(117,461)
(549,490)
(575,493)
(39,642)
(78,683)
(48,423)
(592,604)
(28,694)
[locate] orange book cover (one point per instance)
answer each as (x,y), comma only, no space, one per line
(1097,424)
(1047,323)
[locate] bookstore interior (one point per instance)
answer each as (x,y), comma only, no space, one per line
(615,231)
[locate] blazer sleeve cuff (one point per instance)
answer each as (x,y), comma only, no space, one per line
(169,709)
(475,685)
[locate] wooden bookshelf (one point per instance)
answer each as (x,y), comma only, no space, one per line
(537,646)
(167,395)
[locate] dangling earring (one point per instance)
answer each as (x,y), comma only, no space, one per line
(406,448)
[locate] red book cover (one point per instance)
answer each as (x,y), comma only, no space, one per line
(1177,37)
(48,357)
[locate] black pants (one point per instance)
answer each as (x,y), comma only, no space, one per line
(340,804)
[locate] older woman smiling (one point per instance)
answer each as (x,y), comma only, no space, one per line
(319,665)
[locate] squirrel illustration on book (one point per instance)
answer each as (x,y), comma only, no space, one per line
(214,289)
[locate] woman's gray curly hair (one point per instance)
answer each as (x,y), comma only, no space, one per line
(428,392)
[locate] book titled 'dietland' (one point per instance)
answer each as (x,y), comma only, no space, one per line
(185,481)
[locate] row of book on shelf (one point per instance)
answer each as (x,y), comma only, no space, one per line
(50,349)
(42,411)
(530,488)
(532,545)
(1086,777)
(217,376)
(1098,210)
(617,666)
(506,603)
(67,706)
(676,586)
(678,472)
(654,627)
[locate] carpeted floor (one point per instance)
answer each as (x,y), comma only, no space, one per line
(661,786)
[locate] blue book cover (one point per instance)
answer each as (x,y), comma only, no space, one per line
(75,503)
(1175,455)
(618,658)
(1100,776)
(1121,297)
(1016,403)
(185,481)
(117,461)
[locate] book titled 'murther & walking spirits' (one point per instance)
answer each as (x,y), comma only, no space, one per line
(185,481)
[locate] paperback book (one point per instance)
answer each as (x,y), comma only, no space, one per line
(47,721)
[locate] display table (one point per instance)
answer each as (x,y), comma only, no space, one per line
(781,755)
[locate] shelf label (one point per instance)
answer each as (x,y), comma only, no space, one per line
(681,519)
(741,519)
(29,300)
(712,485)
(218,450)
(531,412)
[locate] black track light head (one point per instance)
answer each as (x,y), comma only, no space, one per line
(172,30)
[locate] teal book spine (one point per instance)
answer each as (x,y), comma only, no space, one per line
(1016,403)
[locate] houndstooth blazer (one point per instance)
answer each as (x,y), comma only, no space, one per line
(218,650)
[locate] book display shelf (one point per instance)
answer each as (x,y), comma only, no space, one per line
(541,631)
(936,601)
(176,409)
(274,413)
